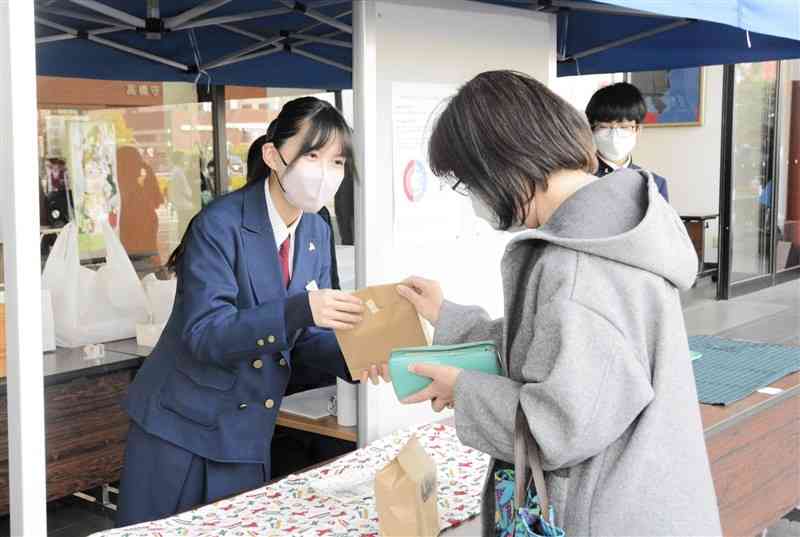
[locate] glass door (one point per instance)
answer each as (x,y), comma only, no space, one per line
(748,189)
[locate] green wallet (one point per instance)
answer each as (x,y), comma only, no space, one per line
(480,356)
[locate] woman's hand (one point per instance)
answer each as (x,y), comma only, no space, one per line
(335,309)
(441,391)
(375,373)
(425,295)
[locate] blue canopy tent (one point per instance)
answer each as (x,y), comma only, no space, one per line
(617,36)
(241,42)
(285,43)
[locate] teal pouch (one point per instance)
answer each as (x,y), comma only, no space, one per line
(481,356)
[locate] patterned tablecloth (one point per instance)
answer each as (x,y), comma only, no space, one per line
(335,500)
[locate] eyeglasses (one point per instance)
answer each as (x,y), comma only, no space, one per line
(609,128)
(461,188)
(458,186)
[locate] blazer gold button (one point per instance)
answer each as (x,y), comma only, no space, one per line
(282,362)
(242,406)
(260,342)
(269,403)
(258,364)
(271,339)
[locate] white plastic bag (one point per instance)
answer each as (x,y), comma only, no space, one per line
(93,306)
(160,297)
(48,323)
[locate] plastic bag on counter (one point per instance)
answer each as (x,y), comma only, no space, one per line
(160,297)
(93,306)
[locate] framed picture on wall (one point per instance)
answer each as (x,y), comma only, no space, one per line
(674,97)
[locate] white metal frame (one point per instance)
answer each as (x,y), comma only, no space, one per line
(113,13)
(193,13)
(118,20)
(316,15)
(365,109)
(19,210)
(274,44)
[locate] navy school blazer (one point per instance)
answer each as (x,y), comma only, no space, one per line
(604,169)
(213,384)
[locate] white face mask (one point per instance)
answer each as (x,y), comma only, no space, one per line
(615,144)
(484,212)
(310,185)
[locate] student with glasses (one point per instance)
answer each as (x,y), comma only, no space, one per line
(616,114)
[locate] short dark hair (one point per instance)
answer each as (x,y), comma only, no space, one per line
(503,135)
(618,102)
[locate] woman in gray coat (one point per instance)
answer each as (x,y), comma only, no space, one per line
(593,341)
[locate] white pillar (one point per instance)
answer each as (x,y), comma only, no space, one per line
(365,112)
(19,209)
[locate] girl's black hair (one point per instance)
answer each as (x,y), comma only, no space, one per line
(256,168)
(503,135)
(618,102)
(324,124)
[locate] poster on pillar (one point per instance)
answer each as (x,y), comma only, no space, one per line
(425,209)
(93,174)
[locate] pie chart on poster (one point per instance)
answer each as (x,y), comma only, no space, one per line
(415,180)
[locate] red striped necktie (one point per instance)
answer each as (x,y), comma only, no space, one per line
(283,256)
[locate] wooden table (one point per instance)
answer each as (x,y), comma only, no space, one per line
(754,449)
(85,426)
(326,426)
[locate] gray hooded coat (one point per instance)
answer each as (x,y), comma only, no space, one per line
(595,350)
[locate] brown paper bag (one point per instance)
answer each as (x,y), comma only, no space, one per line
(390,322)
(405,494)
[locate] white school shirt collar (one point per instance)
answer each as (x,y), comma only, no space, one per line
(613,165)
(279,228)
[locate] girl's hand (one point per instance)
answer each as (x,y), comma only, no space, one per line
(335,309)
(440,391)
(375,373)
(425,295)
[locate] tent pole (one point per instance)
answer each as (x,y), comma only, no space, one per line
(365,108)
(70,14)
(337,99)
(320,59)
(19,211)
(111,30)
(55,26)
(264,41)
(137,52)
(220,139)
(316,15)
(323,40)
(228,19)
(261,54)
(239,53)
(193,13)
(109,11)
(298,34)
(275,48)
(627,40)
(54,38)
(240,31)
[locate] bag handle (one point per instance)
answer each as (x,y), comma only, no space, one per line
(525,447)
